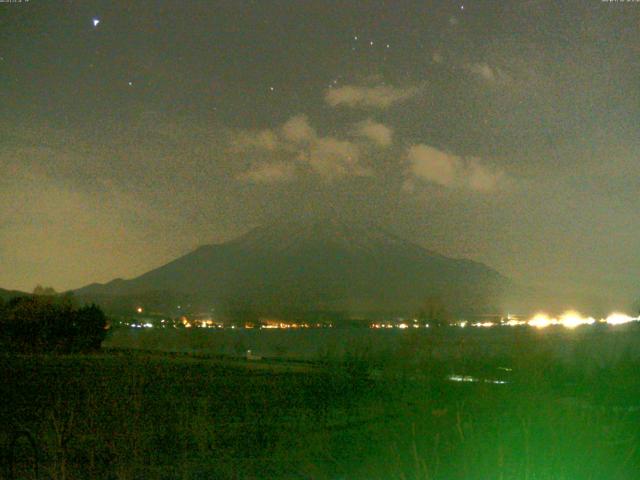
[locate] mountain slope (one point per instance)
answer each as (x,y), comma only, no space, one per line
(318,265)
(8,294)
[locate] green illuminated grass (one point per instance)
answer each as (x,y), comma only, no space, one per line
(384,415)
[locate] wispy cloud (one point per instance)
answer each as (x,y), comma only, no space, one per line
(430,165)
(332,158)
(381,96)
(487,73)
(261,140)
(298,130)
(267,173)
(52,220)
(302,149)
(483,71)
(375,132)
(483,179)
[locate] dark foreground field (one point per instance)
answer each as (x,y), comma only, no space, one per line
(519,415)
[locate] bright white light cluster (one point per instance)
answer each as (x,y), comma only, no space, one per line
(572,319)
(569,319)
(514,323)
(483,324)
(617,318)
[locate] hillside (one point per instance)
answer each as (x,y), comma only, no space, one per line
(7,294)
(316,265)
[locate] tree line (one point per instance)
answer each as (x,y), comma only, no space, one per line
(48,322)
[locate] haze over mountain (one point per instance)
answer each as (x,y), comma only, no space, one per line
(322,265)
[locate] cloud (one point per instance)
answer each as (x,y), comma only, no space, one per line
(294,132)
(261,140)
(481,179)
(376,132)
(300,148)
(487,73)
(332,158)
(298,130)
(266,173)
(428,164)
(480,70)
(381,96)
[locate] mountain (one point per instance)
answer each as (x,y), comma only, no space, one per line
(315,266)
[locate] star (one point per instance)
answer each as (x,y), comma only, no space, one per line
(130,83)
(272,88)
(95,21)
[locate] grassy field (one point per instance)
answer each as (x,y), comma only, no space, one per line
(364,414)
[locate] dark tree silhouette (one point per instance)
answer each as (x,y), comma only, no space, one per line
(91,324)
(40,290)
(46,323)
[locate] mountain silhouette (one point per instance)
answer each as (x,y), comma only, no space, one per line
(317,265)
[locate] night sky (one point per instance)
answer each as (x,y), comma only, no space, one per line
(505,132)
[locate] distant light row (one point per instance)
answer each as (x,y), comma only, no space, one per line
(569,319)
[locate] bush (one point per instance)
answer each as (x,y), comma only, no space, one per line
(47,323)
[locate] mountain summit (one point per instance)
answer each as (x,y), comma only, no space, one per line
(318,265)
